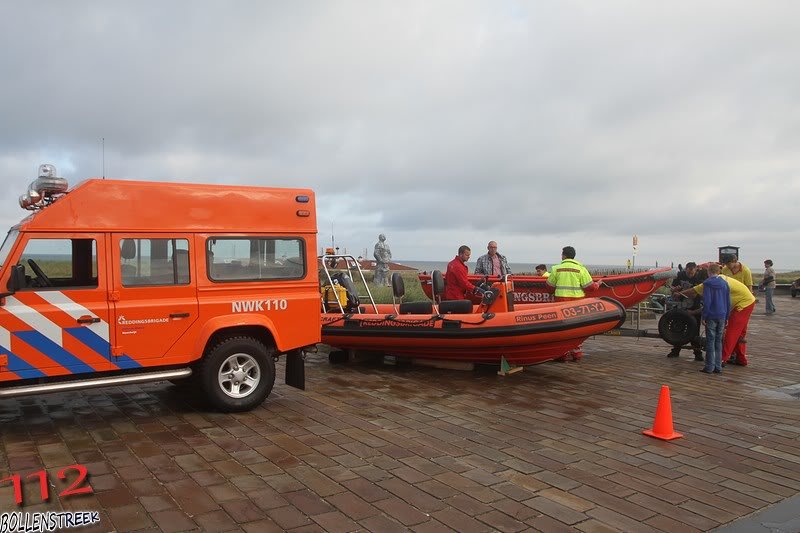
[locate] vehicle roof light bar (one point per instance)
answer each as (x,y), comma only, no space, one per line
(43,190)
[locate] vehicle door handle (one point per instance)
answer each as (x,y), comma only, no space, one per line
(88,320)
(179,315)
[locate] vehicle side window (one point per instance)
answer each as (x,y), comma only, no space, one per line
(8,243)
(148,262)
(255,258)
(60,263)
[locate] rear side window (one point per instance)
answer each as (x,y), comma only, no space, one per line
(255,258)
(60,263)
(154,262)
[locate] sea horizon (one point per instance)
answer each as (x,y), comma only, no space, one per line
(429,266)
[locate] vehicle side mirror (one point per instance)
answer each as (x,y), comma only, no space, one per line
(16,280)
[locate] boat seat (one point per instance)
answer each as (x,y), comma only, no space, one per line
(416,308)
(437,283)
(459,307)
(398,286)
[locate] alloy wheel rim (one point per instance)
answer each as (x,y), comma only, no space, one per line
(239,375)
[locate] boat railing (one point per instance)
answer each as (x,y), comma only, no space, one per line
(350,264)
(656,304)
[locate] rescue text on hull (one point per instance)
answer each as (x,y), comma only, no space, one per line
(460,331)
(629,289)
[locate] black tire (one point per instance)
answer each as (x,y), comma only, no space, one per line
(227,394)
(678,327)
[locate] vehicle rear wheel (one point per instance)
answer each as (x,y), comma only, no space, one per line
(677,327)
(238,374)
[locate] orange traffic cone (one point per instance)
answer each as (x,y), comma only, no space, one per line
(662,425)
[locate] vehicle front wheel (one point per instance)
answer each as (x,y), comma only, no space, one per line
(238,374)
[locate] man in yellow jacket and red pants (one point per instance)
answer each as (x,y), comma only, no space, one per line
(569,279)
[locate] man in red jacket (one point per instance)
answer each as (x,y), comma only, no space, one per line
(457,284)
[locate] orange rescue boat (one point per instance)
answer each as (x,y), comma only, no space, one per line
(460,330)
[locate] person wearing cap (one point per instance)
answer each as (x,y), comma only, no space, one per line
(768,285)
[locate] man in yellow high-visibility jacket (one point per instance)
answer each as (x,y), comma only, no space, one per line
(570,279)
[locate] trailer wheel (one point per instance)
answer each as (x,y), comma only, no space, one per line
(238,374)
(677,327)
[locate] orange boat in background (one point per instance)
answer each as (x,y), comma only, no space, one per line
(460,330)
(628,289)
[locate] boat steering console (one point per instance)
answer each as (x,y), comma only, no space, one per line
(487,292)
(490,291)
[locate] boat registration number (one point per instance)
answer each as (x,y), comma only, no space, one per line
(584,309)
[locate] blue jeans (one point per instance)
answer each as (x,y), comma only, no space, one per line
(715,328)
(770,304)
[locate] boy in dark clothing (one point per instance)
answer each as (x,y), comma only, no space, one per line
(716,308)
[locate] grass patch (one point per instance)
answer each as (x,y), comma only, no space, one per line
(52,269)
(383,295)
(780,277)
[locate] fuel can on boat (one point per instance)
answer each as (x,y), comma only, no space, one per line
(334,295)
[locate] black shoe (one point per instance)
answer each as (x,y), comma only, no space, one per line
(705,370)
(674,354)
(717,371)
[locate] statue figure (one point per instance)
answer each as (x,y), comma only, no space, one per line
(382,257)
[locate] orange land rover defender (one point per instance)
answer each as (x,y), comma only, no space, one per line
(116,282)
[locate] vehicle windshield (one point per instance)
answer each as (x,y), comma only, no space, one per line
(11,238)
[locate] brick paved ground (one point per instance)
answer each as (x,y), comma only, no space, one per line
(555,448)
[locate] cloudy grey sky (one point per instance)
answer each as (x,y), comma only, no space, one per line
(440,123)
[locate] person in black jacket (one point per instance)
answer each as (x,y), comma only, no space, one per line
(687,277)
(690,274)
